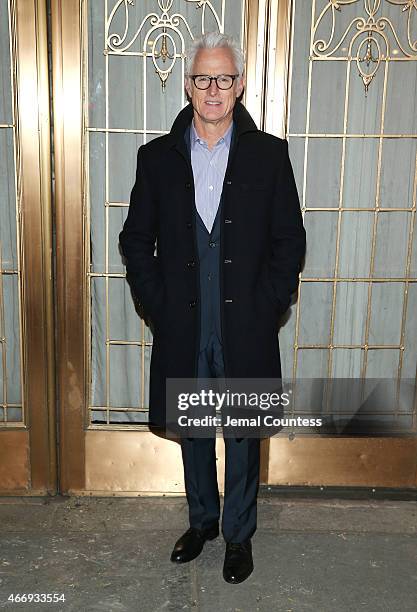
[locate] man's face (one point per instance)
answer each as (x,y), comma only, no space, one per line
(214,105)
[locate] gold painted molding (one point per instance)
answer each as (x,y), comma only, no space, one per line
(70,282)
(33,453)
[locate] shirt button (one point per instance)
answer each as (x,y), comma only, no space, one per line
(212,245)
(211,187)
(192,303)
(191,264)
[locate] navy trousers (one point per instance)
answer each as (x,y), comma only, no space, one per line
(241,469)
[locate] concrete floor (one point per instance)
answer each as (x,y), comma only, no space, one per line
(110,554)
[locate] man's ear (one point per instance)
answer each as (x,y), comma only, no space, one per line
(240,87)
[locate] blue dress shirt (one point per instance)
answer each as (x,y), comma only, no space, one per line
(209,168)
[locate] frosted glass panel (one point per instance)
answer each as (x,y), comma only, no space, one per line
(97,198)
(351,313)
(409,365)
(386,313)
(10,324)
(367,152)
(321,228)
(116,218)
(360,173)
(401,118)
(355,244)
(347,363)
(122,150)
(316,310)
(382,363)
(5,66)
(327,98)
(296,153)
(323,175)
(398,172)
(124,376)
(286,342)
(98,342)
(364,113)
(392,244)
(124,321)
(12,345)
(299,71)
(312,363)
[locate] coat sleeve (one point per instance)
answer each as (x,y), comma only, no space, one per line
(138,240)
(288,237)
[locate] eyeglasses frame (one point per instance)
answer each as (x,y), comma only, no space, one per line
(213,78)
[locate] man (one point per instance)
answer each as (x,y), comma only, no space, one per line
(218,198)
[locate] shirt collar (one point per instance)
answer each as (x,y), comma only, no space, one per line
(226,138)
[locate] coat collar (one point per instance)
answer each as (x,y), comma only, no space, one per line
(243,122)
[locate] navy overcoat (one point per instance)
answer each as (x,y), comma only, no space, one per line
(262,247)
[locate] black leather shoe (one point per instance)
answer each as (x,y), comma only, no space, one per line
(190,545)
(238,562)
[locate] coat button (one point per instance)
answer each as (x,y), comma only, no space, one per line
(188,185)
(228,182)
(228,301)
(226,261)
(191,264)
(227,220)
(212,244)
(189,225)
(192,303)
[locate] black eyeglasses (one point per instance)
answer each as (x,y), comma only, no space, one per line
(223,81)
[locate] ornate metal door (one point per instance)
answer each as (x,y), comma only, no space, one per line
(118,71)
(118,82)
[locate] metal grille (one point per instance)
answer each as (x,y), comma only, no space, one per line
(11,404)
(352,131)
(134,73)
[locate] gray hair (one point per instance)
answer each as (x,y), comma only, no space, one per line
(214,40)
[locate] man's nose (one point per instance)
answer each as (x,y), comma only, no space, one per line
(213,88)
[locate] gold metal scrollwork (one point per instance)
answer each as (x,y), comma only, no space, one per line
(164,46)
(375,46)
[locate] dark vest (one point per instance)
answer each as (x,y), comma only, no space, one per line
(208,246)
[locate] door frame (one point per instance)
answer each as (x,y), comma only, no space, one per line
(28,461)
(106,461)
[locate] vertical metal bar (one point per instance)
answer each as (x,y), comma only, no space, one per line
(3,343)
(13,50)
(339,223)
(86,206)
(106,209)
(375,223)
(303,203)
(70,266)
(412,229)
